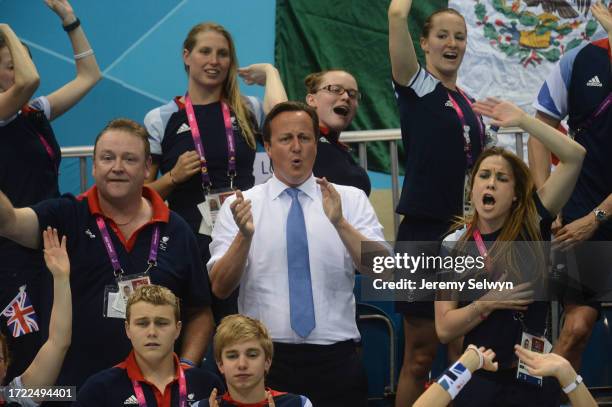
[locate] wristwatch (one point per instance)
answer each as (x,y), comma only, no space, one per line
(572,386)
(600,215)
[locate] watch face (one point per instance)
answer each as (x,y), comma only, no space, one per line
(600,215)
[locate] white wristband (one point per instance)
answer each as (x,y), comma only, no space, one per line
(454,378)
(83,54)
(573,385)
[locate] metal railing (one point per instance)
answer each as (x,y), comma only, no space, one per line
(362,138)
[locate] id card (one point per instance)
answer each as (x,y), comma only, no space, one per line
(535,344)
(116,299)
(209,209)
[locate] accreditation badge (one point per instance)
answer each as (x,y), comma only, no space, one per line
(209,209)
(537,344)
(116,296)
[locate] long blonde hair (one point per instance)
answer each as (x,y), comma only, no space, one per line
(231,89)
(522,224)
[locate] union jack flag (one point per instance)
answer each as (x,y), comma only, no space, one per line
(21,315)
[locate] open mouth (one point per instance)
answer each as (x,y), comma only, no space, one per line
(450,55)
(488,200)
(341,110)
(151,345)
(296,161)
(211,71)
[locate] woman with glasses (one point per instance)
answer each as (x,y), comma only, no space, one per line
(203,143)
(442,138)
(335,97)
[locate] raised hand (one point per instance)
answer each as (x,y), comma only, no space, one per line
(241,210)
(332,205)
(603,15)
(255,74)
(187,165)
(63,9)
(212,400)
(56,256)
(542,364)
(503,113)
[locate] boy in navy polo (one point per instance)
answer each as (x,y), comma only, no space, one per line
(243,352)
(152,374)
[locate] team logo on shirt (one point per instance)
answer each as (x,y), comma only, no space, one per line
(163,244)
(594,81)
(184,128)
(131,400)
(534,31)
(448,103)
(89,234)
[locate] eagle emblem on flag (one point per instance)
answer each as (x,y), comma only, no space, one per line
(20,314)
(533,31)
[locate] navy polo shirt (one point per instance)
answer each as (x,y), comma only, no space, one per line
(280,400)
(113,387)
(99,342)
(575,89)
(435,163)
(170,137)
(335,162)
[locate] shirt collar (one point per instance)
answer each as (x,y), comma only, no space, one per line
(134,372)
(161,213)
(309,187)
(263,403)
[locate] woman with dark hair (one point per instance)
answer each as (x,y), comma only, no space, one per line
(335,96)
(442,137)
(508,209)
(30,157)
(204,143)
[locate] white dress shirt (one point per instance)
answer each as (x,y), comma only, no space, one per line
(264,286)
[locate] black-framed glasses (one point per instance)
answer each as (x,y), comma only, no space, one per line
(339,90)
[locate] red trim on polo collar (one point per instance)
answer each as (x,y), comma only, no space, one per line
(264,403)
(177,100)
(605,44)
(161,213)
(134,373)
(332,137)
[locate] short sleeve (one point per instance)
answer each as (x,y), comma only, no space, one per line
(42,103)
(22,401)
(553,95)
(60,213)
(256,107)
(422,83)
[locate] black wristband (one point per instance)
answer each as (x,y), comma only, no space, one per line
(72,26)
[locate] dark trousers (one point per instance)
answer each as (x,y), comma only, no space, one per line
(502,389)
(329,375)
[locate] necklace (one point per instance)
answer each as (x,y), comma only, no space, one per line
(131,219)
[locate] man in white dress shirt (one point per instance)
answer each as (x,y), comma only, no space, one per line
(292,244)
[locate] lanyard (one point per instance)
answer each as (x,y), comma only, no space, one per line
(600,109)
(49,151)
(112,253)
(182,390)
(482,249)
(467,142)
(197,141)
